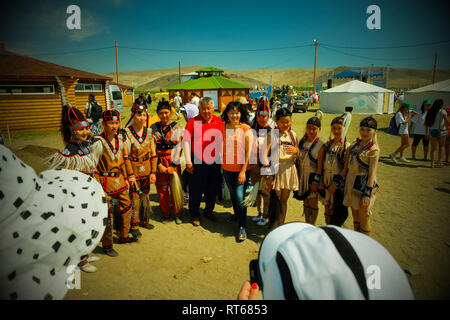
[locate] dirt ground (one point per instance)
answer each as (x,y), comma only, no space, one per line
(410,218)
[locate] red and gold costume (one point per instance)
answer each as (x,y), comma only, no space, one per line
(165,144)
(142,156)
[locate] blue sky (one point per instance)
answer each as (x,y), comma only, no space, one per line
(39,29)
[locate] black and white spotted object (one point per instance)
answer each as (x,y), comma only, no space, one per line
(47,223)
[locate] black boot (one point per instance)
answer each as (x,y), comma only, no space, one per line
(136,233)
(127,240)
(110,251)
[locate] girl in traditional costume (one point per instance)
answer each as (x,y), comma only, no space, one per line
(312,152)
(263,125)
(286,178)
(335,149)
(115,174)
(142,155)
(76,155)
(167,136)
(360,175)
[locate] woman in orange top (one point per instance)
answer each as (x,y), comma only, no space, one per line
(235,160)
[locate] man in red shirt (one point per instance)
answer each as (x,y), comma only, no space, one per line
(202,143)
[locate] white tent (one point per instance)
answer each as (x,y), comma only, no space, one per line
(363,97)
(440,90)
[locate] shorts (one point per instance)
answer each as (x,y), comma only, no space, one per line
(417,138)
(436,133)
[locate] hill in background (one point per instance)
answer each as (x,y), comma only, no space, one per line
(163,78)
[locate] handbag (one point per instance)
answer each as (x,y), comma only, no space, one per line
(360,184)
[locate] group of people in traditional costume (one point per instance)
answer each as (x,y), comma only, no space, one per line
(336,173)
(125,162)
(274,161)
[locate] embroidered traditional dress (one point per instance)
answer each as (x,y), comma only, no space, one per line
(287,175)
(332,165)
(309,152)
(75,156)
(142,156)
(113,167)
(262,198)
(359,165)
(165,144)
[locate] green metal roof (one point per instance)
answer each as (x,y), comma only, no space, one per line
(209,69)
(209,83)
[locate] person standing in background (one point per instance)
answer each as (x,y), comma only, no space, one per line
(248,108)
(447,139)
(141,101)
(177,101)
(435,123)
(93,112)
(402,117)
(417,128)
(195,99)
(189,111)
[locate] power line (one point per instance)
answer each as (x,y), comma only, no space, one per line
(388,47)
(218,51)
(70,52)
(371,58)
(242,50)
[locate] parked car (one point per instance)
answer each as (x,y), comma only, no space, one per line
(299,104)
(286,103)
(115,96)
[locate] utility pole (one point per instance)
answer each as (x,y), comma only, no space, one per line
(315,65)
(387,75)
(117,66)
(179,71)
(433,77)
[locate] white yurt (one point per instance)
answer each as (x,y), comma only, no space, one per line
(363,97)
(439,90)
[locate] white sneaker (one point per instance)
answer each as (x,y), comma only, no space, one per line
(393,157)
(403,159)
(93,259)
(89,268)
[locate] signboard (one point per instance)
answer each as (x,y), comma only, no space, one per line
(256,94)
(213,95)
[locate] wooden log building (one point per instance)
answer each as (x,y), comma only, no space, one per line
(32,92)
